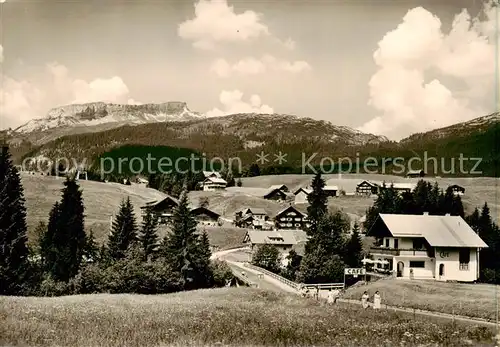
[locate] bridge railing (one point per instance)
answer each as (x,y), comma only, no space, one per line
(284,280)
(244,279)
(295,285)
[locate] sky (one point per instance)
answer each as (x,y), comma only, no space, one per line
(388,67)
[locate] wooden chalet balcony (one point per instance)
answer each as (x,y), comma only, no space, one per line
(400,251)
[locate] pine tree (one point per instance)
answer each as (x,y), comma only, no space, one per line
(13,240)
(64,243)
(148,236)
(354,249)
(124,231)
(317,204)
(91,250)
(182,247)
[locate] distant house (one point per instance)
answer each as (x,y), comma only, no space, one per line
(254,218)
(213,181)
(291,218)
(367,188)
(281,187)
(141,180)
(415,173)
(443,248)
(205,216)
(283,240)
(331,190)
(457,190)
(301,195)
(275,193)
(163,209)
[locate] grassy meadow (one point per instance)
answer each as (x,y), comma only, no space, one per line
(221,317)
(473,300)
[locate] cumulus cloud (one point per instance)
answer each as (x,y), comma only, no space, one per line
(427,78)
(232,103)
(21,101)
(254,66)
(215,22)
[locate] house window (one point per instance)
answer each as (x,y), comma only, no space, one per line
(387,242)
(417,264)
(396,243)
(464,259)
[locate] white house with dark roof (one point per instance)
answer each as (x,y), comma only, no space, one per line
(301,195)
(443,248)
(283,240)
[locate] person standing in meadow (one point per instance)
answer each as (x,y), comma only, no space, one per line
(377,300)
(364,300)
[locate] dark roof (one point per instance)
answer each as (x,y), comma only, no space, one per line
(203,210)
(168,200)
(290,208)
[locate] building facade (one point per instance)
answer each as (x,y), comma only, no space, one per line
(291,218)
(443,248)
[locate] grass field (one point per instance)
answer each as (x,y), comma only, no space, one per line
(221,317)
(474,300)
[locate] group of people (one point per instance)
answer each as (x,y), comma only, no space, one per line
(334,295)
(377,300)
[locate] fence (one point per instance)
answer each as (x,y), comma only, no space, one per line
(289,283)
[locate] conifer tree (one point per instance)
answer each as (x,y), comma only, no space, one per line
(64,243)
(91,250)
(13,240)
(124,231)
(317,204)
(148,236)
(354,249)
(182,248)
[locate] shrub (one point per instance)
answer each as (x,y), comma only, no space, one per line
(221,273)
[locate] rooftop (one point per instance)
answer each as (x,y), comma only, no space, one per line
(439,231)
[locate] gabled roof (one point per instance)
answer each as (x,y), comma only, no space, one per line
(414,172)
(439,231)
(410,186)
(279,186)
(282,237)
(201,210)
(211,173)
(371,183)
(307,191)
(456,186)
(256,210)
(271,191)
(167,200)
(215,180)
(290,208)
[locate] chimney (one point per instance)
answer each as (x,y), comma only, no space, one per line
(426,213)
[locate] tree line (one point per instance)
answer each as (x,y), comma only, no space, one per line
(65,259)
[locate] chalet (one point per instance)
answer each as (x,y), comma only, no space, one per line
(281,187)
(162,209)
(415,173)
(275,193)
(367,188)
(283,240)
(254,218)
(213,181)
(301,195)
(291,218)
(456,189)
(443,248)
(205,217)
(331,190)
